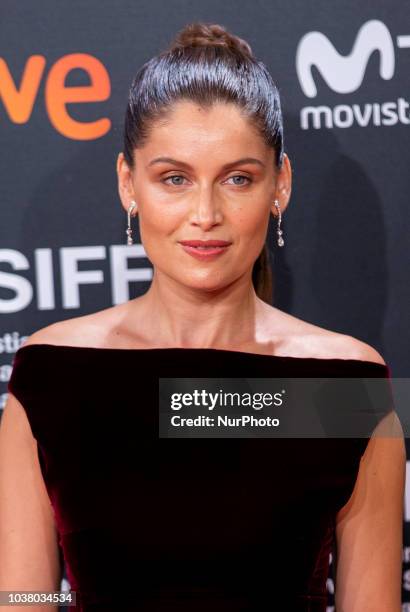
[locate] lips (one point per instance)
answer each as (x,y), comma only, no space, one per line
(205,249)
(205,243)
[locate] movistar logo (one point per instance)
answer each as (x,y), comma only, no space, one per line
(344,74)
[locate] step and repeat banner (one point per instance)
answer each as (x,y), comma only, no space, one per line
(343,73)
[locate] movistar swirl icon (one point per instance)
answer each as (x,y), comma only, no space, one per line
(344,73)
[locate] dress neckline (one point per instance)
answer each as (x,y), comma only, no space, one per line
(198,350)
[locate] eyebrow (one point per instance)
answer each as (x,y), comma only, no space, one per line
(176,162)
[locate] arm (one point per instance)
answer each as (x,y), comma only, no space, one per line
(369,527)
(29,556)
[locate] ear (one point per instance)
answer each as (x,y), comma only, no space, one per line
(125,184)
(283,185)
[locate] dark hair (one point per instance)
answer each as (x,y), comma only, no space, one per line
(207,64)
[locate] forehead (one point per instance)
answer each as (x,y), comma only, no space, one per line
(190,127)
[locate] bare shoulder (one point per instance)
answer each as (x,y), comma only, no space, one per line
(85,330)
(304,339)
(357,349)
(343,346)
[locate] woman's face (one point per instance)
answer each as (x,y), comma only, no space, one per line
(189,185)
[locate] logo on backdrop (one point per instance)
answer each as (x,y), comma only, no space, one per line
(344,74)
(41,289)
(19,99)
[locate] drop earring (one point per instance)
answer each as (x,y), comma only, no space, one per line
(128,231)
(279,232)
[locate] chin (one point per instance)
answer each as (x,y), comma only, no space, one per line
(202,284)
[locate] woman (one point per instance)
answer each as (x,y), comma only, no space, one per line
(146,523)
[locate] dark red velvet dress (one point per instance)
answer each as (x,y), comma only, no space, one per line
(182,525)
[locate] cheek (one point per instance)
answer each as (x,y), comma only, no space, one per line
(159,214)
(251,226)
(158,221)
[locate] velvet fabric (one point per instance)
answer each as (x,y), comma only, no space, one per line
(189,525)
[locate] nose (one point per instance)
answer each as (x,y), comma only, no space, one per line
(206,211)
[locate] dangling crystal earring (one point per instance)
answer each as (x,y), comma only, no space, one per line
(281,242)
(128,231)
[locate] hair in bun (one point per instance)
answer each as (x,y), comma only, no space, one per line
(214,35)
(207,64)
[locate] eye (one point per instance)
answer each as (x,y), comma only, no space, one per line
(179,180)
(173,176)
(241,176)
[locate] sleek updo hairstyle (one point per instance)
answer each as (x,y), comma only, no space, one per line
(206,64)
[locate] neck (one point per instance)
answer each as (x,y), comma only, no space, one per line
(176,315)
